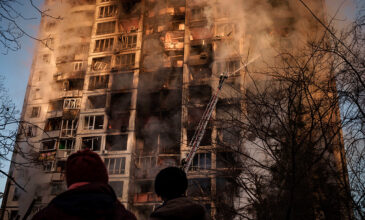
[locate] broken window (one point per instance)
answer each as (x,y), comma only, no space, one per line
(122,81)
(77,66)
(55,105)
(225,30)
(97,101)
(48,145)
(72,103)
(201,161)
(125,60)
(93,122)
(229,137)
(105,28)
(69,127)
(72,84)
(53,124)
(35,112)
(104,45)
(128,41)
(168,143)
(199,187)
(120,102)
(107,11)
(116,142)
(205,141)
(101,63)
(118,121)
(92,143)
(115,165)
(98,82)
(118,187)
(66,144)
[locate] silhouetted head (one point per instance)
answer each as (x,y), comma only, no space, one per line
(85,166)
(171,183)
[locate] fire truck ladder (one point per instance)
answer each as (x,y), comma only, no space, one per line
(200,130)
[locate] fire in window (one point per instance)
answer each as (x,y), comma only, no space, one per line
(201,161)
(108,11)
(66,144)
(99,82)
(35,112)
(53,124)
(93,122)
(72,103)
(92,143)
(69,127)
(128,41)
(104,45)
(125,60)
(115,165)
(105,28)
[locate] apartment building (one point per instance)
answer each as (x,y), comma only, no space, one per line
(130,80)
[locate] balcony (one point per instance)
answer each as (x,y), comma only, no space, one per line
(146,197)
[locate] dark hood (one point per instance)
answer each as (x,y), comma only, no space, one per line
(89,201)
(180,209)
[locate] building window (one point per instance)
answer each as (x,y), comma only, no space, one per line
(105,28)
(128,41)
(101,63)
(92,143)
(104,45)
(48,166)
(55,105)
(108,11)
(115,165)
(98,82)
(16,194)
(229,66)
(97,101)
(116,142)
(69,127)
(30,130)
(93,122)
(199,187)
(53,124)
(120,102)
(201,161)
(78,66)
(48,145)
(66,144)
(72,103)
(118,187)
(37,94)
(46,58)
(50,26)
(35,112)
(125,60)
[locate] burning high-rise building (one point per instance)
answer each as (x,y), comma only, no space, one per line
(130,79)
